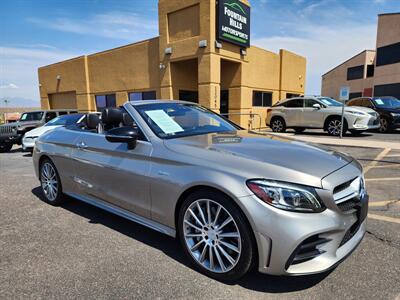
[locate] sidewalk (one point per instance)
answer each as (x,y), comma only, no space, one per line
(346,141)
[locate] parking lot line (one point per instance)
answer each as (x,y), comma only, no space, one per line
(384,218)
(382,179)
(376,160)
(389,165)
(381,203)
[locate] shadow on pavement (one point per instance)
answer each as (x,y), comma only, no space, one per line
(171,247)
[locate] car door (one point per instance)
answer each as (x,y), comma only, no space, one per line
(312,117)
(113,173)
(292,111)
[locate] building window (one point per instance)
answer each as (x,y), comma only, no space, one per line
(370,70)
(103,101)
(355,72)
(136,96)
(392,89)
(262,98)
(291,95)
(190,96)
(355,95)
(388,55)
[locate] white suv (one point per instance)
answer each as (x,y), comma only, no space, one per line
(320,112)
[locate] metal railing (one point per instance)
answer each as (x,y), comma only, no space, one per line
(251,119)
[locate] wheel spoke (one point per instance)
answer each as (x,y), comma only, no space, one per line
(192,235)
(227,256)
(229,235)
(226,222)
(195,217)
(193,226)
(203,253)
(217,215)
(201,213)
(196,245)
(211,255)
(230,246)
(220,261)
(208,212)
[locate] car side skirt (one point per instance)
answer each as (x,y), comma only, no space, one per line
(125,214)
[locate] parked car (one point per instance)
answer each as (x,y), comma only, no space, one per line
(28,140)
(12,133)
(388,109)
(232,197)
(320,112)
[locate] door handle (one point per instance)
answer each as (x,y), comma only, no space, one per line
(81,145)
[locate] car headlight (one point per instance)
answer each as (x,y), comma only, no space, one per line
(356,113)
(286,196)
(395,115)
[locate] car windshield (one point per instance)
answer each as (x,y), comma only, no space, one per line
(32,116)
(329,101)
(390,102)
(173,120)
(65,120)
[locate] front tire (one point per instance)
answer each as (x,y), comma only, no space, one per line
(334,126)
(50,183)
(5,147)
(384,125)
(278,124)
(215,235)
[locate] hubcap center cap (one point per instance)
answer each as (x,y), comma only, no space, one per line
(212,235)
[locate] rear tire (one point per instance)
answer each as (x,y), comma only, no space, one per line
(215,235)
(50,183)
(278,124)
(5,147)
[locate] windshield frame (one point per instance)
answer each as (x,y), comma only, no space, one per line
(141,112)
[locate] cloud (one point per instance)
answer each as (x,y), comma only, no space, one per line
(8,86)
(116,25)
(18,71)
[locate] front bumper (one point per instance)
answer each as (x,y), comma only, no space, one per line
(363,123)
(12,139)
(280,234)
(28,143)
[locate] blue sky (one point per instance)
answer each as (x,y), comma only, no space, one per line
(36,33)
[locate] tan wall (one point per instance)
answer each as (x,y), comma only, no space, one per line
(144,66)
(62,100)
(337,78)
(388,33)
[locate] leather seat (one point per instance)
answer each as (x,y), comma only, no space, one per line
(111,118)
(127,120)
(92,121)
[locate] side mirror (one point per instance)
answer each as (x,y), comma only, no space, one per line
(125,134)
(317,106)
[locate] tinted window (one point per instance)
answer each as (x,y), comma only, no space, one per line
(136,96)
(294,103)
(103,101)
(386,102)
(310,102)
(355,102)
(387,90)
(329,101)
(355,72)
(291,95)
(65,120)
(388,55)
(32,116)
(370,70)
(61,113)
(262,98)
(366,103)
(355,95)
(50,115)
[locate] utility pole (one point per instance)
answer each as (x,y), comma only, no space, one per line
(6,101)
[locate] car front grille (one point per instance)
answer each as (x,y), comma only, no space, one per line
(7,129)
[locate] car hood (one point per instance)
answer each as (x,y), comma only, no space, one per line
(40,130)
(390,110)
(261,156)
(358,109)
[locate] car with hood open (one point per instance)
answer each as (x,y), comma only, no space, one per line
(313,112)
(234,198)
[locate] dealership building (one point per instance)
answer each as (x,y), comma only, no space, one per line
(202,54)
(371,72)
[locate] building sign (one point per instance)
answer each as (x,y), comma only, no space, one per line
(234,22)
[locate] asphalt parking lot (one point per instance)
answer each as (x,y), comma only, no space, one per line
(79,251)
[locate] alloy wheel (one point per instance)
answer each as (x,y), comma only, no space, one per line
(277,125)
(49,182)
(212,236)
(384,125)
(334,127)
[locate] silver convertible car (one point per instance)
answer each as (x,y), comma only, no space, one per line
(235,199)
